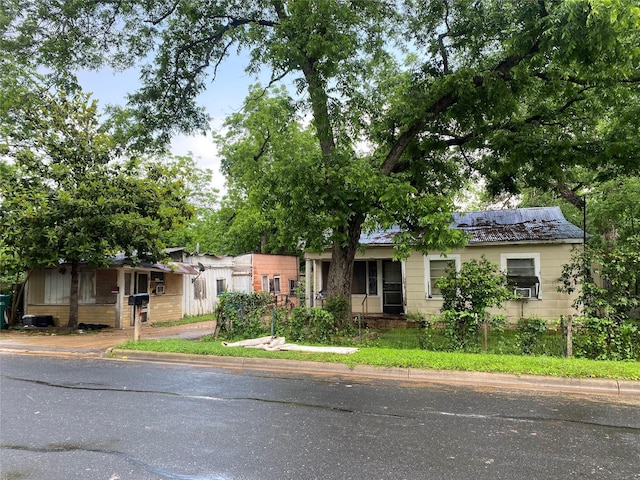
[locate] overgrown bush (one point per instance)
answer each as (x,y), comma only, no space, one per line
(530,332)
(460,328)
(606,280)
(311,325)
(340,310)
(467,294)
(242,315)
(607,339)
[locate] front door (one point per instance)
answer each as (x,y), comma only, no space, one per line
(392,287)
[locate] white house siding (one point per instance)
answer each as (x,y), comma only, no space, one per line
(550,305)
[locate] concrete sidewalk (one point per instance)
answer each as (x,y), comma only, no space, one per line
(94,343)
(104,343)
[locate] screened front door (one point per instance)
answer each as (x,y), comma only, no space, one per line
(392,287)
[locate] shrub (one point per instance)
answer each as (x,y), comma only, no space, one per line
(607,339)
(312,325)
(530,332)
(340,310)
(241,315)
(460,329)
(466,296)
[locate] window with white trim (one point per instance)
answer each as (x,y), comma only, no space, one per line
(276,284)
(523,273)
(265,283)
(436,267)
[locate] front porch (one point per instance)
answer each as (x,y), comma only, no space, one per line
(377,286)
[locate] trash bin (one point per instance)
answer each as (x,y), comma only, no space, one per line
(5,303)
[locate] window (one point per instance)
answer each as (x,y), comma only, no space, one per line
(157,277)
(523,273)
(359,283)
(292,287)
(436,267)
(365,278)
(220,286)
(265,283)
(127,283)
(276,284)
(373,277)
(57,282)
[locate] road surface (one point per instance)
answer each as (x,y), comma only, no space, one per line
(63,418)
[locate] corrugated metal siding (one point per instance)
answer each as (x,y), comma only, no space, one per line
(199,292)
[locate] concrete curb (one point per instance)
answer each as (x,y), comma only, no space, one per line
(627,389)
(586,386)
(53,352)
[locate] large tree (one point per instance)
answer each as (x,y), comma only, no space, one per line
(67,196)
(406,98)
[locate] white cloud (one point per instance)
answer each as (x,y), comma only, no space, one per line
(205,153)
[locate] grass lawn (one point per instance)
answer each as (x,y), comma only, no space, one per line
(414,358)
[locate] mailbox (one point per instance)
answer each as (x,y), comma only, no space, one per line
(139,299)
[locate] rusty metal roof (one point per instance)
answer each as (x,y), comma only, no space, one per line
(540,224)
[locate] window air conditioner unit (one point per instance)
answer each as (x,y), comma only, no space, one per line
(159,289)
(523,292)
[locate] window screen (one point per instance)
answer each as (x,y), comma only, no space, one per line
(437,270)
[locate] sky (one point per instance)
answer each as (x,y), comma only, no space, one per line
(223,97)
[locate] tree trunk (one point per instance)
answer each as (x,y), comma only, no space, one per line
(343,253)
(73,297)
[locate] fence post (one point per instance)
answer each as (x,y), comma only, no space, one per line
(570,336)
(273,322)
(485,327)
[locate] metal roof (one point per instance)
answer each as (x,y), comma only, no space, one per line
(169,267)
(540,224)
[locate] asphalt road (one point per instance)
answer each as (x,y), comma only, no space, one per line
(63,418)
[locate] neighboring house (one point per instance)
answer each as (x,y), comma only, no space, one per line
(215,276)
(252,272)
(104,292)
(530,244)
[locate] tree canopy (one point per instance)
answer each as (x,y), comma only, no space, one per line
(406,99)
(66,195)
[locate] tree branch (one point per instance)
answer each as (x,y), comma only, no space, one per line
(263,147)
(503,69)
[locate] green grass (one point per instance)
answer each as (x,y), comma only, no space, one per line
(550,343)
(415,358)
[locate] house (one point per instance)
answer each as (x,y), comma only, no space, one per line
(531,244)
(252,272)
(189,285)
(104,292)
(215,276)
